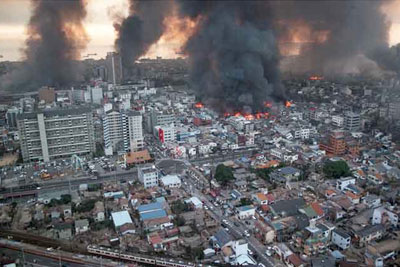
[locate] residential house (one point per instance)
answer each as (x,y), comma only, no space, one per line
(372,201)
(123,222)
(369,233)
(81,226)
(285,208)
(264,232)
(341,239)
(63,230)
(342,183)
(244,212)
(382,215)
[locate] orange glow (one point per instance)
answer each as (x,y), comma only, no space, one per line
(227,114)
(249,117)
(298,35)
(199,105)
(238,114)
(288,104)
(267,104)
(316,78)
(177,32)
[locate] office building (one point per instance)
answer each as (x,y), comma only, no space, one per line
(336,144)
(56,133)
(352,121)
(123,131)
(159,118)
(165,134)
(114,68)
(148,176)
(96,94)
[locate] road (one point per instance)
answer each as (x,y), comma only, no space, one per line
(237,230)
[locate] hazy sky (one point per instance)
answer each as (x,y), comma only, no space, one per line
(14,15)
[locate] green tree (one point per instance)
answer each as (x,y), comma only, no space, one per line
(336,169)
(224,174)
(245,202)
(179,221)
(179,206)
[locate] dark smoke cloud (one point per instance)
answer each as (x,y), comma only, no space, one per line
(55,38)
(355,28)
(233,54)
(142,28)
(388,58)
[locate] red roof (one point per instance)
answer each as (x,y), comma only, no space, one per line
(270,198)
(317,208)
(295,260)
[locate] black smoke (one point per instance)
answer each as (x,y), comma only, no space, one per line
(233,53)
(142,28)
(355,29)
(55,38)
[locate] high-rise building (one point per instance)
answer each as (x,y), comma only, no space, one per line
(352,121)
(96,94)
(148,176)
(123,131)
(114,68)
(11,117)
(50,134)
(47,94)
(159,118)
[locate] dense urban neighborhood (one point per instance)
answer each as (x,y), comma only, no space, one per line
(146,172)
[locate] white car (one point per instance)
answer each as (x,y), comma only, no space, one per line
(268,252)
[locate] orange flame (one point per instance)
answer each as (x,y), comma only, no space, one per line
(199,105)
(288,104)
(316,78)
(267,104)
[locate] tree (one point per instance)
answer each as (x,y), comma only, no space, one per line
(179,221)
(336,169)
(179,206)
(245,202)
(224,174)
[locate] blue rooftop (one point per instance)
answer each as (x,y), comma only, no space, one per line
(153,215)
(150,207)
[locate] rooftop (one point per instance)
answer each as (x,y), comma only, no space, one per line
(121,217)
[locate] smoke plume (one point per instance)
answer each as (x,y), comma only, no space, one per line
(143,27)
(352,28)
(55,38)
(232,53)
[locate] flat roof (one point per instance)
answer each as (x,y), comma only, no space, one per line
(121,217)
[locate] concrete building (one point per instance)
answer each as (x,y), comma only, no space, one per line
(165,134)
(336,144)
(96,95)
(171,181)
(56,133)
(341,239)
(352,121)
(148,176)
(159,118)
(123,131)
(114,68)
(47,95)
(11,117)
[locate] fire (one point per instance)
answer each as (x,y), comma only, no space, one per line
(267,104)
(299,34)
(199,105)
(249,117)
(227,114)
(288,104)
(238,114)
(316,78)
(177,32)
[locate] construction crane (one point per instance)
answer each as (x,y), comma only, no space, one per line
(89,55)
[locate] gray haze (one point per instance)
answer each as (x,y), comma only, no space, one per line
(55,38)
(143,27)
(233,54)
(355,28)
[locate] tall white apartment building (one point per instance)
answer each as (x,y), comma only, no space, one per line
(123,131)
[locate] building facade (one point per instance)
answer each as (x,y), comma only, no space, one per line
(50,134)
(114,68)
(148,176)
(352,121)
(123,131)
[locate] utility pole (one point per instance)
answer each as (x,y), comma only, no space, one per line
(23,257)
(59,257)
